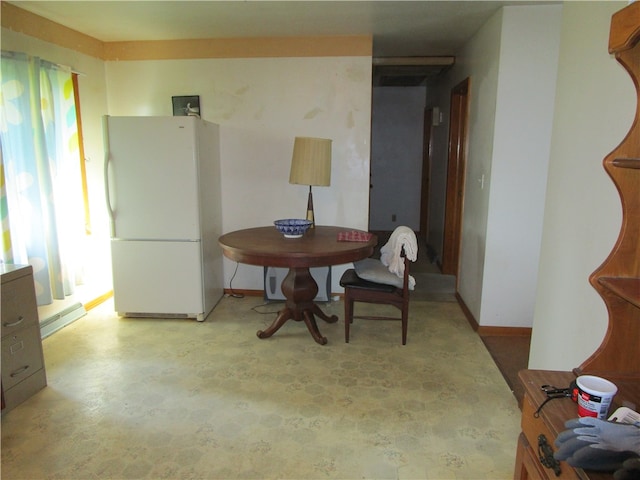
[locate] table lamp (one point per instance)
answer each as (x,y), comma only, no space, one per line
(311,165)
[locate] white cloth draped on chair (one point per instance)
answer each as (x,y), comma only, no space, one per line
(390,254)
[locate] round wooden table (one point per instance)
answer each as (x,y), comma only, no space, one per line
(318,247)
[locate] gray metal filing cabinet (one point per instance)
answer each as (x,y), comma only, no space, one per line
(23,372)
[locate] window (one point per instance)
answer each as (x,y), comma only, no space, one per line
(41,184)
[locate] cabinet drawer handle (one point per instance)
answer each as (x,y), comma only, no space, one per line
(545,453)
(19,371)
(13,324)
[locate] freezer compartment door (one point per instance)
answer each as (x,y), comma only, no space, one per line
(153,278)
(153,178)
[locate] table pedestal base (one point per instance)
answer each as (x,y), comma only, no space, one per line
(300,289)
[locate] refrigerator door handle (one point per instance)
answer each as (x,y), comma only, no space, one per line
(107,159)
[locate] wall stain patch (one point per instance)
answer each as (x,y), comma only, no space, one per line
(312,113)
(350,120)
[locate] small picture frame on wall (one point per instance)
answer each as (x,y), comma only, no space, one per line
(186,106)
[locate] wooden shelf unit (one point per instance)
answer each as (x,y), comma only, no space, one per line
(617,280)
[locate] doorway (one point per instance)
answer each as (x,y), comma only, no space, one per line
(399,96)
(456,171)
(396,157)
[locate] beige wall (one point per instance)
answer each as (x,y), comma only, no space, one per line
(511,63)
(530,42)
(262,92)
(594,110)
(479,60)
(261,105)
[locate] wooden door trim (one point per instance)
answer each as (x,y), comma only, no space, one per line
(456,170)
(427,153)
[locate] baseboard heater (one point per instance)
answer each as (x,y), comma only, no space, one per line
(273,280)
(61,319)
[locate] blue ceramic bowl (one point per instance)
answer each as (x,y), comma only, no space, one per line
(292,227)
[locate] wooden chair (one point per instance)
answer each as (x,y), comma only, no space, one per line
(359,290)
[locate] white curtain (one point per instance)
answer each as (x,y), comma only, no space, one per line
(41,198)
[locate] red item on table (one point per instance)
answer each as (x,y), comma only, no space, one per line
(354,236)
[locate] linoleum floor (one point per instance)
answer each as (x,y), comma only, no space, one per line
(178,399)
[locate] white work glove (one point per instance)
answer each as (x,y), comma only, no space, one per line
(595,444)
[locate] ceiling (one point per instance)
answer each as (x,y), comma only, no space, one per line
(399,28)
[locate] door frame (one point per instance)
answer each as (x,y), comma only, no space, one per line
(456,173)
(427,158)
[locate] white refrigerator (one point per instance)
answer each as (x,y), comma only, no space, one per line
(162,183)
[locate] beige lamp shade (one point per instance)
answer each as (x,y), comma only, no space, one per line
(311,161)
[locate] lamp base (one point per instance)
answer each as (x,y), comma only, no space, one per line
(310,216)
